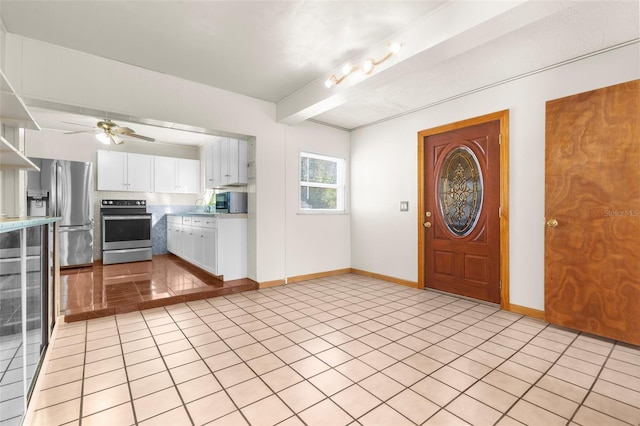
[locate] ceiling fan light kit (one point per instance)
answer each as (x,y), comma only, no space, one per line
(366,68)
(109,132)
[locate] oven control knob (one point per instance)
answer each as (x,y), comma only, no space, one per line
(138,202)
(110,202)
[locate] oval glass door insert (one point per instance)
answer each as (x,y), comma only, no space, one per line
(460,191)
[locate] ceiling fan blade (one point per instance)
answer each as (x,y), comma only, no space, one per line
(128,132)
(137,136)
(77,124)
(82,131)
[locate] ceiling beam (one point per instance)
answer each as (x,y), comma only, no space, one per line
(452,29)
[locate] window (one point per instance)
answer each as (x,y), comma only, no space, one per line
(321,183)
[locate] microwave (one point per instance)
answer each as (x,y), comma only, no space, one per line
(231,202)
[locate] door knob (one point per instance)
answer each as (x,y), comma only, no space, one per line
(552,223)
(427,224)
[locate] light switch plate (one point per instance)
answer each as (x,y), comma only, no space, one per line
(404,206)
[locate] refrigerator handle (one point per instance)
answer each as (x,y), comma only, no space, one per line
(59,193)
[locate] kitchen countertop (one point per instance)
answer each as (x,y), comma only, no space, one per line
(13,223)
(217,215)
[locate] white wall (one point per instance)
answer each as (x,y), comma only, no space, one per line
(384,170)
(315,242)
(43,71)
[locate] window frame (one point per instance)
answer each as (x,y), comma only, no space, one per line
(340,185)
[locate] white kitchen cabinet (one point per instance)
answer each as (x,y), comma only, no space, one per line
(176,175)
(217,245)
(226,163)
(122,171)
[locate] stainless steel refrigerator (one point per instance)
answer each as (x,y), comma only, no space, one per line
(64,188)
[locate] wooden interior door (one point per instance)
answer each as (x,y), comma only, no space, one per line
(592,209)
(462,201)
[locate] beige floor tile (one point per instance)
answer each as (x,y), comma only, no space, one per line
(210,407)
(531,361)
(377,359)
(491,396)
(292,354)
(356,348)
(142,355)
(330,382)
(589,417)
(231,419)
(301,396)
(506,382)
(59,394)
(212,349)
(571,376)
(579,365)
(445,418)
(508,421)
(334,356)
(560,387)
(617,392)
(374,340)
(439,354)
(105,399)
(248,392)
(309,367)
(413,406)
(521,372)
(384,415)
(156,403)
(61,377)
(181,358)
(251,351)
(355,370)
(381,386)
(199,387)
(65,362)
(222,361)
(161,339)
(150,384)
(551,402)
(137,345)
(65,351)
(177,416)
(130,337)
(265,363)
(103,366)
(454,378)
(623,367)
(233,375)
(57,414)
(470,367)
(530,414)
(436,391)
(281,378)
(484,358)
(267,412)
(396,351)
(119,415)
(174,346)
(404,374)
(355,400)
(620,378)
(473,411)
(318,414)
(613,408)
(189,371)
(146,368)
(104,381)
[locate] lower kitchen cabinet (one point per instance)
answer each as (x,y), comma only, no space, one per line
(217,244)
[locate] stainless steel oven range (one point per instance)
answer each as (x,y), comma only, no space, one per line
(126,231)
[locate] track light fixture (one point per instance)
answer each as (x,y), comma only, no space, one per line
(366,68)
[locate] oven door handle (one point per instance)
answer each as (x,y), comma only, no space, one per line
(137,216)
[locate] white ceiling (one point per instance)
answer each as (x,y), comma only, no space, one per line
(282,51)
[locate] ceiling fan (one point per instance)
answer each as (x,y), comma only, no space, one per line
(109,132)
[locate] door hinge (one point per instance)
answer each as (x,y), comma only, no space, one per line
(500,284)
(499,138)
(500,211)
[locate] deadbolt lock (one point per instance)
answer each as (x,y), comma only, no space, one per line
(427,224)
(552,223)
(428,214)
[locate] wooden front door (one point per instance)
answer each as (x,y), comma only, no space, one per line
(461,211)
(592,209)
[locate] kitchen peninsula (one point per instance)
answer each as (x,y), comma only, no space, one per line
(216,243)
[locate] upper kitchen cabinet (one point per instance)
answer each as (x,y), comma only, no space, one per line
(226,163)
(177,175)
(122,171)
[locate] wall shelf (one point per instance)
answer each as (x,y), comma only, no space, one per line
(13,110)
(11,158)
